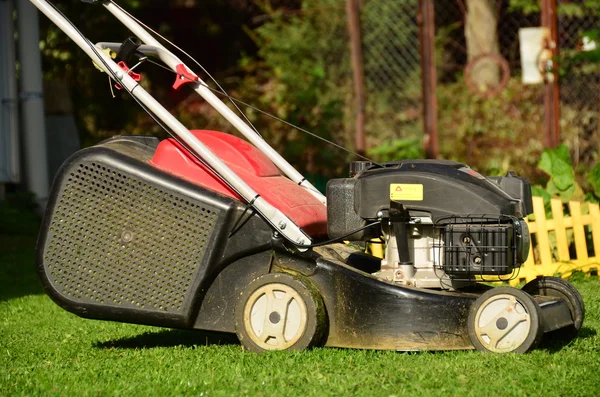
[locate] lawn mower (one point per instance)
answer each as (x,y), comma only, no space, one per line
(207,231)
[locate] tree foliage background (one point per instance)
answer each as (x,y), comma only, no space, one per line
(211,31)
(291,58)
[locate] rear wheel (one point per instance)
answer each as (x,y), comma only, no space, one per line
(279,312)
(559,288)
(505,320)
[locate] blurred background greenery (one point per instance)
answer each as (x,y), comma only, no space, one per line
(291,58)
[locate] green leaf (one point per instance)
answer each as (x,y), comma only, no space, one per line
(545,163)
(525,6)
(571,10)
(539,191)
(562,153)
(551,188)
(594,179)
(591,198)
(319,71)
(564,195)
(562,174)
(557,163)
(591,34)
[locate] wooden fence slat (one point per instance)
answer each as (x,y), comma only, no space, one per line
(561,225)
(543,243)
(560,231)
(595,222)
(532,226)
(578,231)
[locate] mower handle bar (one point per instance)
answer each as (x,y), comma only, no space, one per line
(271,214)
(202,89)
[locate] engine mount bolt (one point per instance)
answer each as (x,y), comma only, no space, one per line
(379,214)
(282,225)
(477,260)
(466,239)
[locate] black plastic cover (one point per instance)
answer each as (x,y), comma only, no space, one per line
(517,187)
(448,189)
(128,48)
(122,240)
(341,217)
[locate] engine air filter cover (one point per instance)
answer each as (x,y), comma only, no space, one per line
(480,249)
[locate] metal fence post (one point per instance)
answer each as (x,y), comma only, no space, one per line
(551,89)
(426,21)
(353,14)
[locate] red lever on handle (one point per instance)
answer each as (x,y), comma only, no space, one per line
(184,76)
(135,76)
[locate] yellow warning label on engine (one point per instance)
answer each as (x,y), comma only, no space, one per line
(406,192)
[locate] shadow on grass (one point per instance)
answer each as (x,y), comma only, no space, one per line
(170,338)
(19,227)
(557,340)
(17,267)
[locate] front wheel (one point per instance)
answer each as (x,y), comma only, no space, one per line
(505,320)
(559,288)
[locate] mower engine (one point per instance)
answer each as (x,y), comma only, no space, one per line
(444,225)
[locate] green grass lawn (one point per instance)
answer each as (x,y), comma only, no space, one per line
(45,350)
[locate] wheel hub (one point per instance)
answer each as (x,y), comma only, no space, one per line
(502,323)
(275,316)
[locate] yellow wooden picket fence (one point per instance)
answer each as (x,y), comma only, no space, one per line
(553,240)
(559,245)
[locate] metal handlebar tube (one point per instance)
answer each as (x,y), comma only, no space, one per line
(201,89)
(275,217)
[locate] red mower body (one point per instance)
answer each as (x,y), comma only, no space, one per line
(253,167)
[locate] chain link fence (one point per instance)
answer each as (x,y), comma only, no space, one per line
(391,63)
(497,127)
(390,39)
(495,144)
(580,84)
(495,133)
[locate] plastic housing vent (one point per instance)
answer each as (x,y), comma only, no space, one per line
(118,240)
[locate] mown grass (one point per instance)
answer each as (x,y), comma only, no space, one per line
(45,350)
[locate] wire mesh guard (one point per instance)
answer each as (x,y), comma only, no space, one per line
(478,246)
